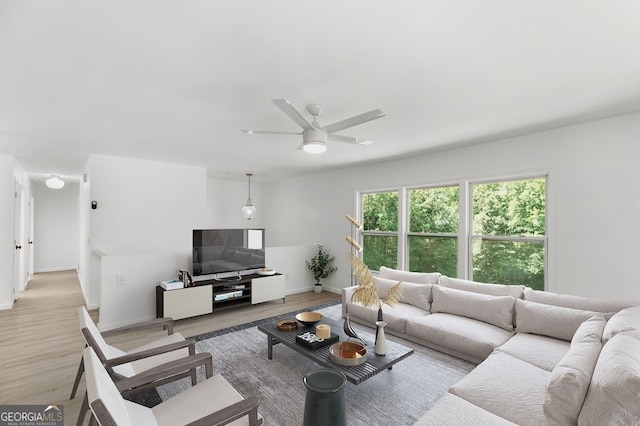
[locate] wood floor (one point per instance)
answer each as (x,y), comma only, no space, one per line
(41,345)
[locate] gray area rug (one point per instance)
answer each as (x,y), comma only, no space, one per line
(396,397)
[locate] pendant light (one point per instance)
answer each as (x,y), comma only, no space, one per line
(248,211)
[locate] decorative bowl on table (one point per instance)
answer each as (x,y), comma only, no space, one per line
(348,353)
(309,318)
(287,325)
(266,271)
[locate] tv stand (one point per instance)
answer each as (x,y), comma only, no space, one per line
(228,279)
(215,295)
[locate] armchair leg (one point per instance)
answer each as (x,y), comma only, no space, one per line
(83,410)
(194,378)
(78,376)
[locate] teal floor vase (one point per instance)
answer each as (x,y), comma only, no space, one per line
(324,403)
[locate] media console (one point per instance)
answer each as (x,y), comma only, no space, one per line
(212,296)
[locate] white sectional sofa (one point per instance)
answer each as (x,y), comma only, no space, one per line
(543,358)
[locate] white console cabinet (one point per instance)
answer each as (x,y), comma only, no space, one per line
(186,302)
(267,288)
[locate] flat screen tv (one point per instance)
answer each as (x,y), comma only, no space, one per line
(221,251)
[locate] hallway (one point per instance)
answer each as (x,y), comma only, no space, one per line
(40,344)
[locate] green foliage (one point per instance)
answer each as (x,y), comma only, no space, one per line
(434,254)
(509,208)
(380,250)
(509,262)
(434,210)
(380,211)
(321,265)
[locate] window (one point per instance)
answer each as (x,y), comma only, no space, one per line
(483,231)
(380,229)
(432,238)
(508,232)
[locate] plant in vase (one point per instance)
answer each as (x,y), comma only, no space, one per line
(367,294)
(321,266)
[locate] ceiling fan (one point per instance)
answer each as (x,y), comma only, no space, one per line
(314,137)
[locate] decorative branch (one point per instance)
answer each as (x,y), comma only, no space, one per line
(367,291)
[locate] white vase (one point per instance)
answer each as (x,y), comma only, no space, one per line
(317,288)
(381,342)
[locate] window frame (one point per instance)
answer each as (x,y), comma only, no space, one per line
(465,237)
(407,232)
(524,239)
(401,209)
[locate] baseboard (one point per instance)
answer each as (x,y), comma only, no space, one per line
(57,269)
(107,327)
(310,288)
(6,306)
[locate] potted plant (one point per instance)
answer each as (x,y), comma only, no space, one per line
(321,265)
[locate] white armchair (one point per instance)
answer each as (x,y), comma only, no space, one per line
(152,356)
(211,402)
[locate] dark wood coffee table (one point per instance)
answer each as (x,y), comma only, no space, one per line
(355,374)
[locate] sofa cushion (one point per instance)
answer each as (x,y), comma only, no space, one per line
(418,295)
(407,276)
(549,320)
(542,351)
(453,410)
(395,317)
(507,387)
(613,394)
(463,337)
(496,310)
(576,302)
(484,288)
(570,379)
(625,320)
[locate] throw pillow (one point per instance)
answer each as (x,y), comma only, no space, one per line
(625,320)
(612,398)
(484,288)
(407,276)
(549,320)
(418,295)
(575,302)
(496,310)
(570,378)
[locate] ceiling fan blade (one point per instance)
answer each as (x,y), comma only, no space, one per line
(293,113)
(353,121)
(349,139)
(269,132)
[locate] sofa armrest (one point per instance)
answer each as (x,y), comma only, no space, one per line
(347,292)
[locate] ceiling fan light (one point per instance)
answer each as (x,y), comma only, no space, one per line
(314,147)
(54,182)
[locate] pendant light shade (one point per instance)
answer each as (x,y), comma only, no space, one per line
(54,182)
(249,210)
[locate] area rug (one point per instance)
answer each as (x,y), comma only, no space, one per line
(394,397)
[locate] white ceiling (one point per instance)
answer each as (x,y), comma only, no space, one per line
(176,80)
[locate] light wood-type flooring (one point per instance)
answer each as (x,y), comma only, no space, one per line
(41,344)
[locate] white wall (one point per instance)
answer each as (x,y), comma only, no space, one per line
(290,261)
(225,199)
(134,301)
(56,227)
(144,208)
(593,205)
(6,231)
